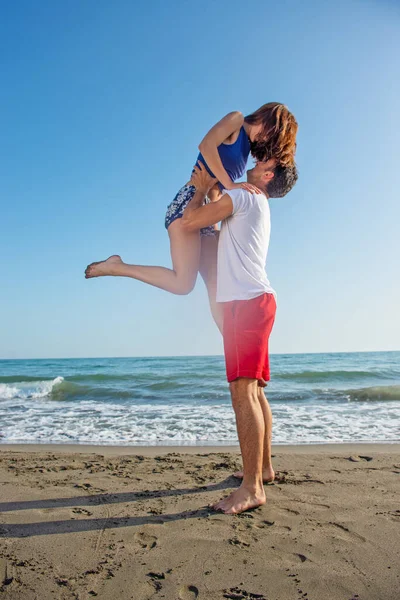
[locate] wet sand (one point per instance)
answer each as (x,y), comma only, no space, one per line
(78,522)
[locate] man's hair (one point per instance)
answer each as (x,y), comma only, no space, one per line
(282,182)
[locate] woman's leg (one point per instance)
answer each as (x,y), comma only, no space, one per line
(208,271)
(185,254)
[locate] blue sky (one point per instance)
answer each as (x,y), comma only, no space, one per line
(102,106)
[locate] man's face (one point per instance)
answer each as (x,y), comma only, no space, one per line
(262,172)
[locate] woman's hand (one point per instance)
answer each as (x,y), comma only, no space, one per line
(245,186)
(201,179)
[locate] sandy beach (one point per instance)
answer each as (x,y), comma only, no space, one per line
(134,523)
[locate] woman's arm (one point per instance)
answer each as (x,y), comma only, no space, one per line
(218,134)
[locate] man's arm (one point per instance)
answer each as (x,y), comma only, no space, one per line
(196,215)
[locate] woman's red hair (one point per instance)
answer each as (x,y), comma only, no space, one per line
(277,139)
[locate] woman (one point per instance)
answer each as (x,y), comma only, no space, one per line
(268,132)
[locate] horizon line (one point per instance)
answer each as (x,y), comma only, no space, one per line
(196,355)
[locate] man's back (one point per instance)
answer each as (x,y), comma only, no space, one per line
(243,248)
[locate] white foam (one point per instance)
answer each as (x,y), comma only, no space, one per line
(28,389)
(111,423)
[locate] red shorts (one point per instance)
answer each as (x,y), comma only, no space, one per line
(247,326)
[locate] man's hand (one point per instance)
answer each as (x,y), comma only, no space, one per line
(201,179)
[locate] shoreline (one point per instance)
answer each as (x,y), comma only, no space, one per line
(110,450)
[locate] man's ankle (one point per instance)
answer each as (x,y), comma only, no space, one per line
(267,467)
(252,486)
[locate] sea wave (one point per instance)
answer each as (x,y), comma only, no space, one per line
(142,378)
(343,375)
(29,389)
(138,377)
(22,379)
(374,394)
(176,388)
(195,376)
(62,390)
(57,389)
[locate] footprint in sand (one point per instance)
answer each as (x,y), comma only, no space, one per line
(238,542)
(347,535)
(145,540)
(302,557)
(358,458)
(264,524)
(290,510)
(4,578)
(82,511)
(237,594)
(188,592)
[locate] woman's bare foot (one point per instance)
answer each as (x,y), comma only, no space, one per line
(268,475)
(240,500)
(103,267)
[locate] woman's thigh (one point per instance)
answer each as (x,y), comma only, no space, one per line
(185,254)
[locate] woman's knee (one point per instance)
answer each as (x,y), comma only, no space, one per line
(185,281)
(185,287)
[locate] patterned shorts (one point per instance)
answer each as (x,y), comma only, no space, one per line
(178,205)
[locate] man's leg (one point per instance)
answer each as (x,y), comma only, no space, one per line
(251,433)
(268,472)
(208,271)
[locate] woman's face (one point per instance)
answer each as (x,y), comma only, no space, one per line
(255,132)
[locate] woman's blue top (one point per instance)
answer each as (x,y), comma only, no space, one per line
(233,156)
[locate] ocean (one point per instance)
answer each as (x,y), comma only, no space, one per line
(315,398)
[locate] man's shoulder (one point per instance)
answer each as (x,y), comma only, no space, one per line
(242,192)
(245,201)
(259,196)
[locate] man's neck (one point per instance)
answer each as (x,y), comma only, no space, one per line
(260,190)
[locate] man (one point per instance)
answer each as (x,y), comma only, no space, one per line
(249,307)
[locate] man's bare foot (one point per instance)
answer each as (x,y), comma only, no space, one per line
(103,267)
(268,475)
(240,500)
